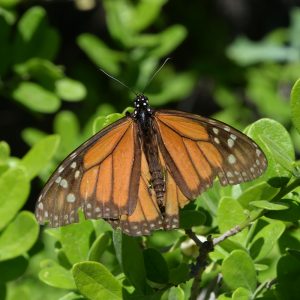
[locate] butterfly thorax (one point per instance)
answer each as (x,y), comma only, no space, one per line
(143,115)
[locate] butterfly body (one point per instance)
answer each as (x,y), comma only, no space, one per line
(137,172)
(143,116)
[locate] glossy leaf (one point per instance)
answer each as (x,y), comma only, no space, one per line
(57,276)
(75,240)
(70,89)
(230,214)
(19,236)
(66,125)
(99,246)
(190,218)
(95,282)
(277,133)
(241,294)
(176,293)
(100,54)
(238,271)
(265,240)
(288,287)
(35,97)
(37,158)
(292,214)
(262,190)
(130,257)
(14,187)
(4,152)
(14,268)
(269,205)
(156,266)
(295,105)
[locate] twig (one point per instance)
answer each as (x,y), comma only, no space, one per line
(206,247)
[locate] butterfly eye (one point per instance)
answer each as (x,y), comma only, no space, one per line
(139,171)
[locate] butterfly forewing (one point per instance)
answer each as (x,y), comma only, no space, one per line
(210,149)
(96,177)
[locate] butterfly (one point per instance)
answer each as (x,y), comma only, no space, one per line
(139,171)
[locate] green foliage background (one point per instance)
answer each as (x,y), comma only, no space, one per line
(63,105)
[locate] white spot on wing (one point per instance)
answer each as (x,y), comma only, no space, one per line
(64,183)
(230,143)
(215,130)
(73,165)
(77,173)
(58,179)
(231,159)
(60,169)
(71,198)
(233,136)
(217,141)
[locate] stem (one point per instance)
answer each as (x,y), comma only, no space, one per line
(206,247)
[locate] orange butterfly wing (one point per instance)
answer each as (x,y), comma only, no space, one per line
(101,177)
(196,150)
(109,177)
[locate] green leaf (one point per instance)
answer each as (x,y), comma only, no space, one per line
(9,3)
(241,294)
(14,268)
(238,271)
(156,266)
(130,256)
(95,282)
(42,70)
(230,214)
(38,157)
(32,136)
(168,40)
(72,296)
(75,240)
(179,274)
(176,293)
(262,190)
(19,236)
(245,52)
(288,278)
(265,240)
(30,22)
(70,89)
(269,205)
(295,105)
(267,129)
(35,97)
(99,246)
(174,88)
(101,122)
(100,54)
(14,187)
(292,214)
(144,13)
(190,218)
(4,152)
(34,38)
(66,125)
(57,276)
(294,252)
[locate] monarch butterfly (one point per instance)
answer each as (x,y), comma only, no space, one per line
(137,172)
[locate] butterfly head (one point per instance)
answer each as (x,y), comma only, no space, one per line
(141,106)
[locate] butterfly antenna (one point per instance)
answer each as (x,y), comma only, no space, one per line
(120,82)
(155,73)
